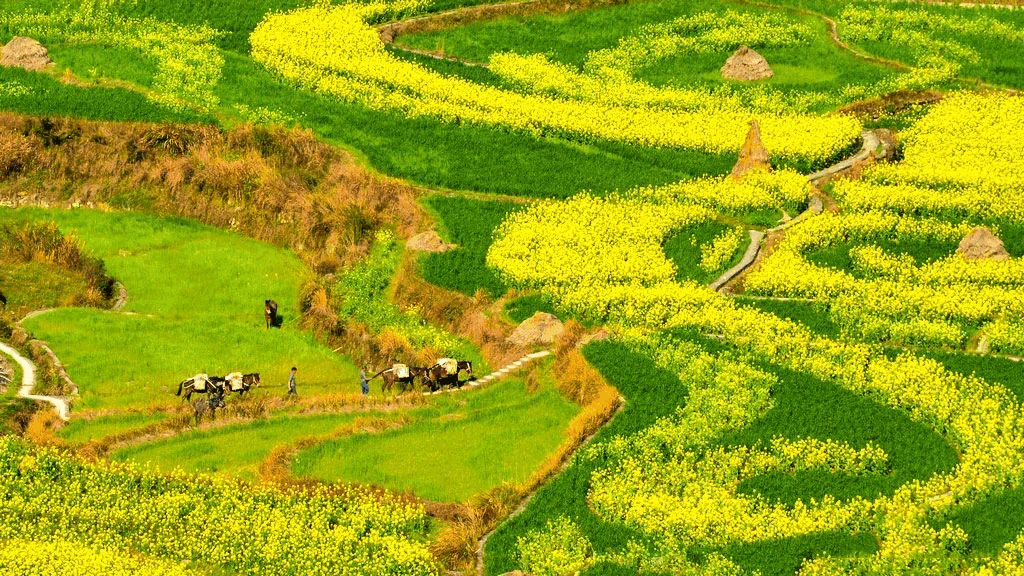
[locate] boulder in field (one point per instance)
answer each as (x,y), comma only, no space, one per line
(429,241)
(541,328)
(746,64)
(981,244)
(25,53)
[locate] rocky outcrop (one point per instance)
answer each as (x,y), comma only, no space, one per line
(981,244)
(429,241)
(25,53)
(541,328)
(747,65)
(753,155)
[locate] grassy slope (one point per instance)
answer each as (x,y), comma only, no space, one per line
(464,446)
(422,150)
(197,294)
(650,393)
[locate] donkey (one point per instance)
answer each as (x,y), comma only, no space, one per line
(241,383)
(437,376)
(211,404)
(199,384)
(391,377)
(270,312)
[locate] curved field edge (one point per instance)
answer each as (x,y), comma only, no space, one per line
(652,393)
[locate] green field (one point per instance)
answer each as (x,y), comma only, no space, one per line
(836,415)
(461,448)
(195,305)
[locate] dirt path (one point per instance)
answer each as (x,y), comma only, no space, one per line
(28,381)
(872,143)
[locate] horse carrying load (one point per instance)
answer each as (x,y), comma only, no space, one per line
(402,374)
(445,372)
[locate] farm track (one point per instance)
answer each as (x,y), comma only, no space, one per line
(28,381)
(871,143)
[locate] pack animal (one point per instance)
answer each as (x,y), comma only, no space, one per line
(439,375)
(270,312)
(404,376)
(199,384)
(241,383)
(209,405)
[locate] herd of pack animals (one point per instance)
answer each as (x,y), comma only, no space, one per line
(444,372)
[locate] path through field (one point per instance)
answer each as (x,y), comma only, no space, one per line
(28,381)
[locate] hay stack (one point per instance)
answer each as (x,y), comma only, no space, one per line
(753,155)
(25,53)
(746,64)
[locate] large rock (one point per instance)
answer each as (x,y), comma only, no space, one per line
(981,243)
(746,64)
(541,328)
(25,53)
(753,155)
(429,241)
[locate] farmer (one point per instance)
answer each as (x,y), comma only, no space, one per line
(291,382)
(364,383)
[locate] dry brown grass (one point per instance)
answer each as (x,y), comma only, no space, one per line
(42,428)
(274,184)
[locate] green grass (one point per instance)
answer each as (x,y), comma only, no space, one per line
(196,302)
(423,150)
(923,251)
(998,519)
(806,407)
(991,522)
(47,96)
(813,315)
(37,285)
(79,430)
(469,224)
(650,393)
(105,62)
(234,450)
(568,37)
(784,557)
(480,440)
(521,308)
(1006,373)
(682,248)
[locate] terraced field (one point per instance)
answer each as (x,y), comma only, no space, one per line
(845,401)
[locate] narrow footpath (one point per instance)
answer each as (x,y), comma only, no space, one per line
(28,381)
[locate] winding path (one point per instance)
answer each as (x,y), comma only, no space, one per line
(871,143)
(28,381)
